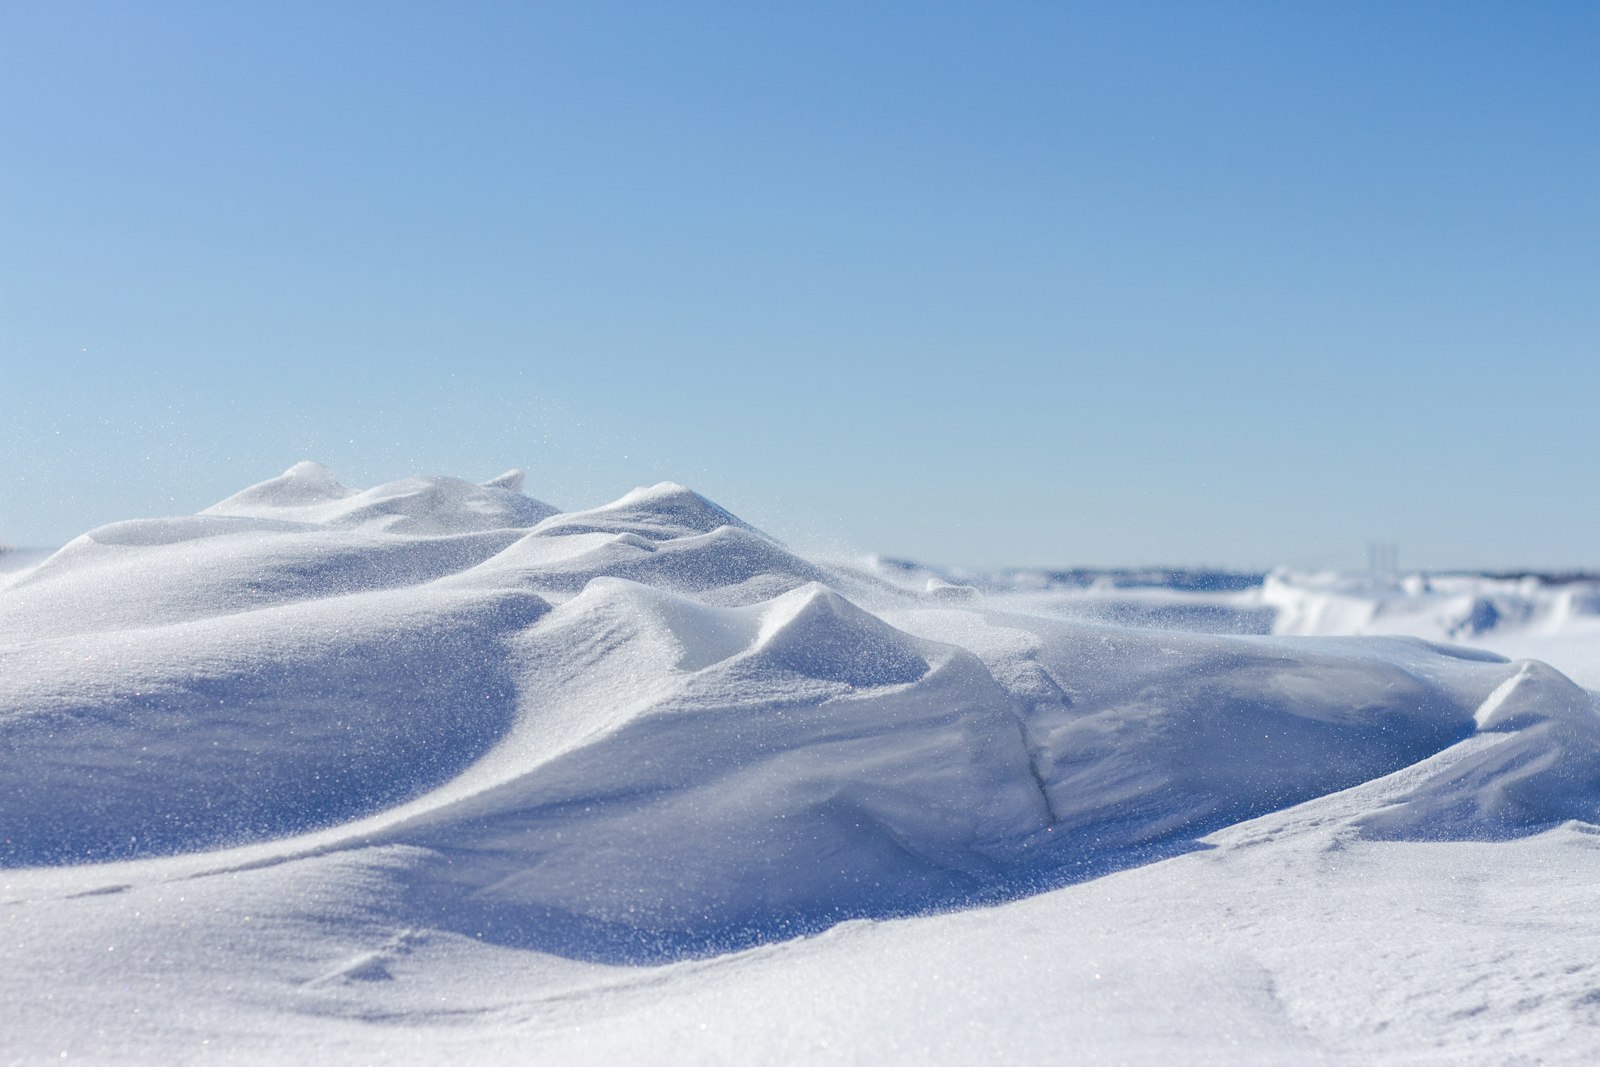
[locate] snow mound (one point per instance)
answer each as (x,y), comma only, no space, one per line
(155,740)
(159,572)
(511,480)
(307,484)
(307,492)
(727,564)
(1543,770)
(818,633)
(657,513)
(647,730)
(299,536)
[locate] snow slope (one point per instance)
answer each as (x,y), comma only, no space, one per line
(434,767)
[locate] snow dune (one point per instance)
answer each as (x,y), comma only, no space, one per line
(647,730)
(423,769)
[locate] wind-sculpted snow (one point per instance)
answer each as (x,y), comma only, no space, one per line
(195,735)
(648,730)
(1540,762)
(308,492)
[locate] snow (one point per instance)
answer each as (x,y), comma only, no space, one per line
(435,769)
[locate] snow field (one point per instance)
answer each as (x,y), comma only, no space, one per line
(435,766)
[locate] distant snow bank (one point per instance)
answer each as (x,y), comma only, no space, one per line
(1438,606)
(1526,615)
(648,730)
(1529,616)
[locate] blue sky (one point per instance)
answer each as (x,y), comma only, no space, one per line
(983,283)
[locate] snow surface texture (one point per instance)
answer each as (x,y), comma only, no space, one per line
(434,767)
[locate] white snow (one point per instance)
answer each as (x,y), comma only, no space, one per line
(433,770)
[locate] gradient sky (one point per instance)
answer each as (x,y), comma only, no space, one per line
(1032,283)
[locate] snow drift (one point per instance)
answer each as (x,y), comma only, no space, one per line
(648,730)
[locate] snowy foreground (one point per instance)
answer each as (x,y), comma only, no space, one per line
(434,770)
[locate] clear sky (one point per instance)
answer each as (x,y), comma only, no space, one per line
(1033,283)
